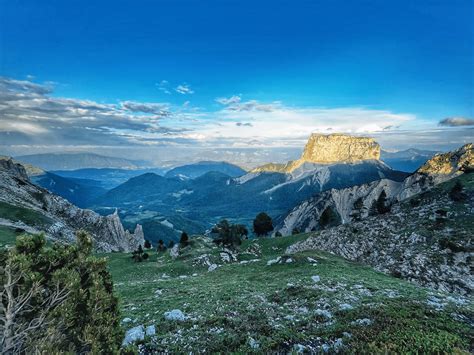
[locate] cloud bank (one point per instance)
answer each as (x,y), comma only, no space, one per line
(32,116)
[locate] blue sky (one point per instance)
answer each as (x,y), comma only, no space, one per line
(292,67)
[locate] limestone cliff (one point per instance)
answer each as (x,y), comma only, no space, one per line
(450,163)
(335,148)
(330,149)
(354,203)
(58,218)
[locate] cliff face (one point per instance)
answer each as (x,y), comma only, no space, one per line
(426,239)
(57,217)
(335,148)
(354,202)
(330,149)
(450,163)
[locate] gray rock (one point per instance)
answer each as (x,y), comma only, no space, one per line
(134,334)
(175,315)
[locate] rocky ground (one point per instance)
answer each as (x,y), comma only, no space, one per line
(260,299)
(427,239)
(23,205)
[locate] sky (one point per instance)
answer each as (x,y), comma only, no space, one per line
(164,79)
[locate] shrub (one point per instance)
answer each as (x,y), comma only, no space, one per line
(161,246)
(184,240)
(262,224)
(147,244)
(457,194)
(67,298)
(295,231)
(228,234)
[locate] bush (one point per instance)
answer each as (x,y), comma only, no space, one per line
(457,194)
(278,234)
(184,240)
(69,306)
(139,255)
(262,224)
(161,246)
(229,234)
(147,244)
(295,231)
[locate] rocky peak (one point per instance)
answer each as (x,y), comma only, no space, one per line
(335,148)
(330,149)
(458,161)
(8,165)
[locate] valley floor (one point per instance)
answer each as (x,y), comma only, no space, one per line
(266,301)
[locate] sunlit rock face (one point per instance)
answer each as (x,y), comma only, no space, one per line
(330,149)
(451,162)
(335,148)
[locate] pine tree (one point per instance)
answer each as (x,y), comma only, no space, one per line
(262,224)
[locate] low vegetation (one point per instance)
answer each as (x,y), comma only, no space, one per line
(56,299)
(266,301)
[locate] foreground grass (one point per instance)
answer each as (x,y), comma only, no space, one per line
(254,307)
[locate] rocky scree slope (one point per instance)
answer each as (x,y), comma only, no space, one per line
(426,239)
(356,202)
(27,206)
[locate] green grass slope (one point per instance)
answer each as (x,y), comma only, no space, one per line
(250,306)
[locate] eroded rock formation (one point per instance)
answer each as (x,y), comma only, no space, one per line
(57,217)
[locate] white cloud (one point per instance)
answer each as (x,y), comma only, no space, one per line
(184,89)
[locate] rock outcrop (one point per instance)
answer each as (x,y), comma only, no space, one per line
(330,149)
(452,163)
(57,217)
(425,240)
(355,203)
(335,148)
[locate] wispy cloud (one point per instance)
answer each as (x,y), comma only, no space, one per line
(28,111)
(456,122)
(164,86)
(234,103)
(184,89)
(147,107)
(30,115)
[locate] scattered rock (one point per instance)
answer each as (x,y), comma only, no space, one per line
(134,334)
(212,267)
(253,343)
(315,278)
(175,315)
(324,313)
(345,307)
(174,251)
(363,321)
(126,320)
(273,261)
(150,330)
(298,348)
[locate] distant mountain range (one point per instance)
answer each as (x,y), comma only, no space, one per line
(108,177)
(72,161)
(205,199)
(195,170)
(407,160)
